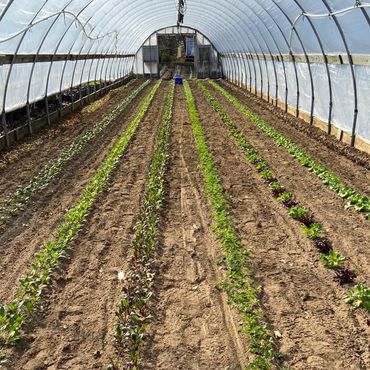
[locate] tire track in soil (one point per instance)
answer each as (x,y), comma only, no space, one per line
(319,331)
(28,231)
(22,164)
(352,173)
(347,229)
(80,315)
(194,326)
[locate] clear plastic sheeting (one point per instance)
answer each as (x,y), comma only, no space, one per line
(267,31)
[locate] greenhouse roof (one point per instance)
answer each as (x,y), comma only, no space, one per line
(311,56)
(121,26)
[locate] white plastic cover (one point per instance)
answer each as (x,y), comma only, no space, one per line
(269,27)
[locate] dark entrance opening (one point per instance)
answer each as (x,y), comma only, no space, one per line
(176,54)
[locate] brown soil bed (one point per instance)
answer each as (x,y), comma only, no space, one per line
(194,326)
(76,327)
(22,162)
(24,235)
(318,330)
(347,229)
(348,162)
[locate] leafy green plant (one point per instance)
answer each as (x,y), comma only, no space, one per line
(14,315)
(313,231)
(359,297)
(133,315)
(261,166)
(296,211)
(300,213)
(333,260)
(277,188)
(360,202)
(17,201)
(286,197)
(267,175)
(239,284)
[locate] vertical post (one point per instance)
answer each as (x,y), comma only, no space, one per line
(142,58)
(60,104)
(47,110)
(29,123)
(150,50)
(5,129)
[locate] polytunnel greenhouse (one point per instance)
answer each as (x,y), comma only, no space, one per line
(185,184)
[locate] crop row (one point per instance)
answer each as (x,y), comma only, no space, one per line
(361,203)
(134,315)
(360,295)
(14,315)
(20,197)
(239,284)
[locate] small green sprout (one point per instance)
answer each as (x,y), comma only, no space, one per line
(333,260)
(359,296)
(285,197)
(299,213)
(313,231)
(267,175)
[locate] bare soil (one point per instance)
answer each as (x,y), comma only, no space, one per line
(304,306)
(194,327)
(347,229)
(23,161)
(25,234)
(76,328)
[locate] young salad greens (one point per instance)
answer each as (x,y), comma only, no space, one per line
(133,315)
(331,259)
(361,203)
(239,285)
(17,201)
(14,315)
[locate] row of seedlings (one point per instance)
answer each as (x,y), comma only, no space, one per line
(18,200)
(14,315)
(332,259)
(361,203)
(239,284)
(133,315)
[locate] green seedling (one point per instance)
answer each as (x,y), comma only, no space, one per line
(14,315)
(276,188)
(333,260)
(313,231)
(360,202)
(239,285)
(299,213)
(133,315)
(359,296)
(286,197)
(267,175)
(261,166)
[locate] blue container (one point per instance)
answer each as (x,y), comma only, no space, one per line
(178,80)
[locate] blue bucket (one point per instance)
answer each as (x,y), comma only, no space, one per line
(178,80)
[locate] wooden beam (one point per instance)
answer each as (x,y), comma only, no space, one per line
(30,58)
(358,59)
